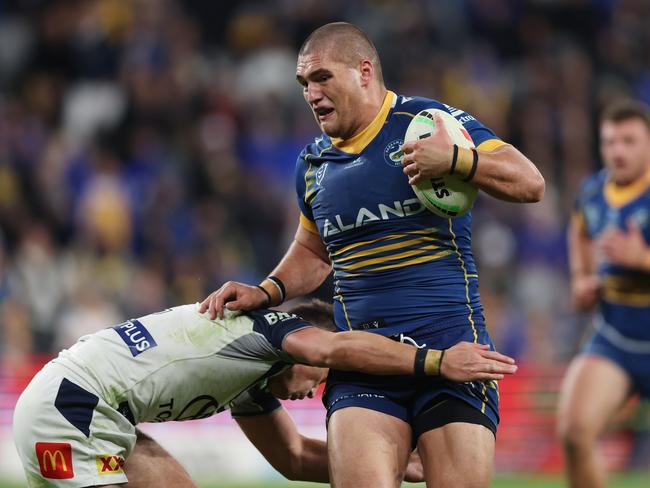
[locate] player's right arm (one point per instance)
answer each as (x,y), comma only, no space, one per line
(375,354)
(295,456)
(585,284)
(302,269)
(292,454)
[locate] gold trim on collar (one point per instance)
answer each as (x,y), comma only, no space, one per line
(619,196)
(358,143)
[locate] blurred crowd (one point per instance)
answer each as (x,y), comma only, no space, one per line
(147,146)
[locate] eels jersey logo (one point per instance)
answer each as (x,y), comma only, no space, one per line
(393,154)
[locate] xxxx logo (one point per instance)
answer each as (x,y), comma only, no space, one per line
(109,464)
(55,460)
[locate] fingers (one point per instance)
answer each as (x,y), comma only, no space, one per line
(411,169)
(214,303)
(203,306)
(234,305)
(408,159)
(497,356)
(408,147)
(413,173)
(438,121)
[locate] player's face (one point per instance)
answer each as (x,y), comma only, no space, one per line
(297,382)
(625,148)
(333,91)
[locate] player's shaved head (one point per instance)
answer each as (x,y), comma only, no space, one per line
(345,43)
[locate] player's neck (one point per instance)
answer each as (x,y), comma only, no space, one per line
(370,108)
(642,178)
(371,127)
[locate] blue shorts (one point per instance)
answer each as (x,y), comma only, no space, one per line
(406,397)
(631,355)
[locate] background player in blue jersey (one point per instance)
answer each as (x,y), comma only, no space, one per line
(610,268)
(399,270)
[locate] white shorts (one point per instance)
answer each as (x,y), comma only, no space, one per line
(66,435)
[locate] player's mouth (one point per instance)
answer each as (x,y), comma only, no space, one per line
(323,113)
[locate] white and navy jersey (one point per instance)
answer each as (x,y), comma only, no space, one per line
(180,365)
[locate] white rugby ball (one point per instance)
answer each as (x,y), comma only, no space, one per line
(447,195)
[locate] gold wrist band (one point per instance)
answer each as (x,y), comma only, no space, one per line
(466,162)
(433,361)
(275,298)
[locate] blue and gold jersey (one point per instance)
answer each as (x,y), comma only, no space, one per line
(397,266)
(625,297)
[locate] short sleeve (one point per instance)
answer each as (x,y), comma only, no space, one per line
(483,137)
(303,181)
(276,325)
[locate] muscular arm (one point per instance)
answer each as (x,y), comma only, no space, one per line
(505,173)
(375,354)
(295,456)
(305,265)
(585,284)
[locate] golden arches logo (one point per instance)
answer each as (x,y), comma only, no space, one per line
(55,459)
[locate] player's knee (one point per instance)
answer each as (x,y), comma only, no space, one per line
(576,435)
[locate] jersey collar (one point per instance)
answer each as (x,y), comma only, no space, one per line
(358,143)
(619,196)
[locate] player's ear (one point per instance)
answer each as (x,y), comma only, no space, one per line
(367,71)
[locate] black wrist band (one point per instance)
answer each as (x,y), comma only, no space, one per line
(454,158)
(472,171)
(268,295)
(418,364)
(280,285)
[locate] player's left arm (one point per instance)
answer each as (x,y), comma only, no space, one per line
(500,169)
(505,173)
(375,354)
(292,454)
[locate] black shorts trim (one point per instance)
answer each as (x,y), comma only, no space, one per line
(446,409)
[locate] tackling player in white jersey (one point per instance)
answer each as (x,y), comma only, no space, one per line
(74,425)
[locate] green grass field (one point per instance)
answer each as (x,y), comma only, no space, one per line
(619,481)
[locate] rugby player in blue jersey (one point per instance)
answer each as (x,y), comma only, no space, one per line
(610,269)
(399,270)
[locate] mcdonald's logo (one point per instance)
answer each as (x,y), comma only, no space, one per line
(109,464)
(55,460)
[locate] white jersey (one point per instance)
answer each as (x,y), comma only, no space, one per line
(178,364)
(74,425)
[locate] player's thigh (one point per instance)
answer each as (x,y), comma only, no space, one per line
(66,435)
(457,454)
(593,389)
(151,465)
(367,448)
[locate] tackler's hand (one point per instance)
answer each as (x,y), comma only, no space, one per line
(233,296)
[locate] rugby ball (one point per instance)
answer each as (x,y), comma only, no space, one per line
(447,195)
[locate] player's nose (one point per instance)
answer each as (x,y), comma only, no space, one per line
(314,94)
